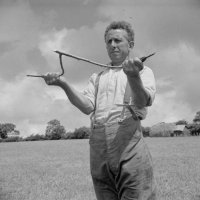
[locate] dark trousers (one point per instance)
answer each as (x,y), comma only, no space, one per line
(120,162)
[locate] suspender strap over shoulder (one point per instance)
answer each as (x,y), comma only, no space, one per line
(96,86)
(128,100)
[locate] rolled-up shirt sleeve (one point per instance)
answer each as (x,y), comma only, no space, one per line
(149,84)
(89,91)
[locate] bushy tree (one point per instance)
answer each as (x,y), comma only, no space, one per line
(145,131)
(82,133)
(194,128)
(197,117)
(36,137)
(13,139)
(181,122)
(6,128)
(54,130)
(68,135)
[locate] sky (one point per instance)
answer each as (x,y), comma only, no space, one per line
(32,29)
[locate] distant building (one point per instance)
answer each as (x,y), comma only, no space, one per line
(179,129)
(162,130)
(167,130)
(13,133)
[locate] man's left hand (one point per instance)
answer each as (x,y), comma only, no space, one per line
(132,67)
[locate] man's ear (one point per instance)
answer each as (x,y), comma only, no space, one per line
(131,44)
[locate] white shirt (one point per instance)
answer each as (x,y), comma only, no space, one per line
(111,90)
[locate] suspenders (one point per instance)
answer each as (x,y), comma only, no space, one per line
(96,86)
(127,98)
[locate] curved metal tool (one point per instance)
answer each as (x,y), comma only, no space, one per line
(61,65)
(82,59)
(145,57)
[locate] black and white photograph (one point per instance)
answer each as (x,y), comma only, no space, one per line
(99,100)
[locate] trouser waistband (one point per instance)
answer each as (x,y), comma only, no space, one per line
(117,122)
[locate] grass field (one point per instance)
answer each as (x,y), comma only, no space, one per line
(59,170)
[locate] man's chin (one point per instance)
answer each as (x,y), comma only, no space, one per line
(116,59)
(116,62)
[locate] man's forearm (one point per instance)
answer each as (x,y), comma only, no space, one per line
(77,98)
(141,96)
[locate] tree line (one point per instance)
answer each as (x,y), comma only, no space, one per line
(56,131)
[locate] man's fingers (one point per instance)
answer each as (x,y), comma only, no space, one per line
(51,78)
(138,63)
(132,67)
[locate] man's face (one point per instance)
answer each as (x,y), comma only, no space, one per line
(117,45)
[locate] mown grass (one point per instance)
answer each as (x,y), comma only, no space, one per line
(59,170)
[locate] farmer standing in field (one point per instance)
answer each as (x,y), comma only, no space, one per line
(117,99)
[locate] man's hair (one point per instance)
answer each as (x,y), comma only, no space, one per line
(121,25)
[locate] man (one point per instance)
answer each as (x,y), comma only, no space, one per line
(121,165)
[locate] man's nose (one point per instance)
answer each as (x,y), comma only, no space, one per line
(113,44)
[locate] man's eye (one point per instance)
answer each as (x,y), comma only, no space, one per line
(109,41)
(117,40)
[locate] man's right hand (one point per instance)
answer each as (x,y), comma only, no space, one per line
(52,79)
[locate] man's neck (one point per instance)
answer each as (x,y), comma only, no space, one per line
(118,64)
